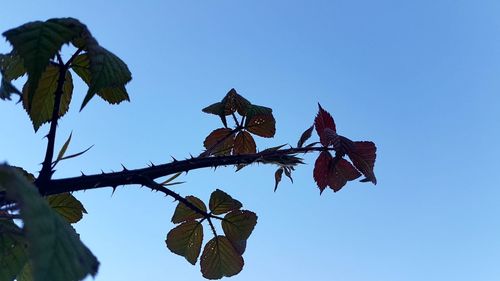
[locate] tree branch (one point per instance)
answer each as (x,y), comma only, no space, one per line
(285,157)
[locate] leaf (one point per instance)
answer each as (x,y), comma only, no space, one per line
(220,259)
(221,202)
(288,173)
(340,174)
(77,154)
(305,136)
(323,121)
(60,155)
(277,177)
(171,178)
(42,104)
(6,89)
(238,226)
(67,206)
(184,213)
(234,102)
(56,252)
(219,142)
(11,66)
(362,155)
(244,144)
(185,240)
(106,71)
(321,169)
(26,273)
(218,109)
(37,42)
(113,95)
(13,255)
(260,121)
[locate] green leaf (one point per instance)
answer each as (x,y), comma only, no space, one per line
(244,143)
(113,95)
(11,66)
(221,202)
(260,121)
(185,240)
(56,252)
(26,273)
(13,254)
(238,225)
(60,155)
(106,71)
(218,109)
(37,42)
(220,259)
(234,102)
(184,213)
(6,89)
(67,206)
(41,106)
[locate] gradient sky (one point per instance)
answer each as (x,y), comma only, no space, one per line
(419,78)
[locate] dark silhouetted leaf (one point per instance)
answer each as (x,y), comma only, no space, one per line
(321,169)
(7,89)
(244,143)
(260,121)
(238,225)
(305,136)
(322,121)
(341,173)
(221,202)
(42,104)
(67,206)
(55,251)
(185,240)
(288,173)
(362,155)
(184,213)
(277,177)
(37,42)
(220,259)
(13,255)
(219,142)
(234,102)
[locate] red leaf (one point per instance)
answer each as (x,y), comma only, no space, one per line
(340,173)
(219,142)
(305,136)
(362,155)
(244,143)
(322,121)
(321,169)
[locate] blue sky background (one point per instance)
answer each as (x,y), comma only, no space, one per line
(419,78)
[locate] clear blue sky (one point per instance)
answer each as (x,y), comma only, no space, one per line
(419,78)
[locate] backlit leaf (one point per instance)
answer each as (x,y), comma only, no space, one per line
(362,155)
(321,169)
(55,250)
(7,89)
(13,255)
(41,106)
(305,136)
(106,71)
(238,225)
(61,153)
(220,259)
(185,240)
(322,121)
(37,42)
(221,202)
(340,174)
(220,142)
(184,213)
(261,124)
(113,95)
(234,102)
(67,206)
(244,143)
